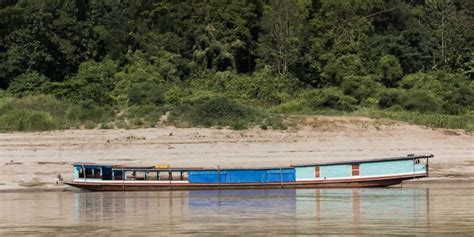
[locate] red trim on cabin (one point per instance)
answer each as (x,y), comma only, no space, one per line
(317,172)
(355,170)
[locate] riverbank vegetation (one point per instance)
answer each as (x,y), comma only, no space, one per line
(124,64)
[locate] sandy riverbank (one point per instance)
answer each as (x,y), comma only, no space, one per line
(33,160)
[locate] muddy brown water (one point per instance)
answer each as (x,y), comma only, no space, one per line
(436,209)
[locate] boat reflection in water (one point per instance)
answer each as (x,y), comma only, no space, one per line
(278,211)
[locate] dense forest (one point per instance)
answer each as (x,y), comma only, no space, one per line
(117,63)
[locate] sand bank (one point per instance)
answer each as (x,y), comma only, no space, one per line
(34,160)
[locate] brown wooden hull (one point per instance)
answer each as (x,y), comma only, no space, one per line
(345,183)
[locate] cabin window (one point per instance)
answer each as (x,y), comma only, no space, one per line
(118,175)
(140,175)
(164,175)
(96,172)
(179,175)
(184,176)
(135,175)
(151,176)
(173,175)
(355,170)
(129,175)
(317,172)
(176,175)
(90,173)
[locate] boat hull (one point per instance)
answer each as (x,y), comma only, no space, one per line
(167,186)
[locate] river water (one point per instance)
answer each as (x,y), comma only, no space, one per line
(400,211)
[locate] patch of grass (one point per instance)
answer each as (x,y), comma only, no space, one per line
(465,122)
(27,120)
(41,113)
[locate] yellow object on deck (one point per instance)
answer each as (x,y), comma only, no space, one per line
(162,166)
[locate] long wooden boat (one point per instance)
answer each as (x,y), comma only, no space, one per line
(352,174)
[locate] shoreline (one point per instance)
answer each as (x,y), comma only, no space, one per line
(30,161)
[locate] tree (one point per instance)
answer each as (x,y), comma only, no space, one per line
(337,29)
(282,33)
(451,23)
(218,33)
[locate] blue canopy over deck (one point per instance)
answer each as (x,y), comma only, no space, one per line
(242,176)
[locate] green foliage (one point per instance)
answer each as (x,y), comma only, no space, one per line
(38,113)
(336,70)
(86,111)
(132,61)
(337,30)
(147,113)
(455,91)
(281,38)
(262,87)
(30,83)
(219,111)
(146,93)
(329,98)
(459,98)
(25,120)
(421,101)
(465,122)
(389,70)
(293,106)
(389,97)
(361,87)
(94,81)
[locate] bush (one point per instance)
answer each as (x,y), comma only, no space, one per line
(455,91)
(93,81)
(221,111)
(389,98)
(146,93)
(262,87)
(176,93)
(459,99)
(329,98)
(292,106)
(389,70)
(337,69)
(418,100)
(30,83)
(361,87)
(87,111)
